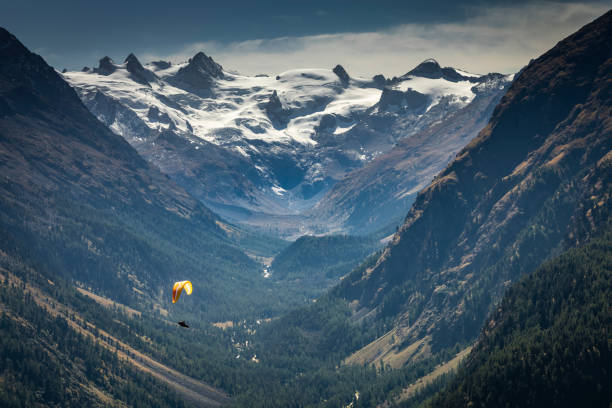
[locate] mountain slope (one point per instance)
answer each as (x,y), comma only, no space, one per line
(535,181)
(382,191)
(548,343)
(62,348)
(79,202)
(320,262)
(46,363)
(263,150)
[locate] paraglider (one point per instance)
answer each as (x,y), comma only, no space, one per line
(177,289)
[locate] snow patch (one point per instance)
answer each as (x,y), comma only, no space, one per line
(279,190)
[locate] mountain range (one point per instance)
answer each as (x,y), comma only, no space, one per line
(266,150)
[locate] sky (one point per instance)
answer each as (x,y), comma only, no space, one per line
(251,37)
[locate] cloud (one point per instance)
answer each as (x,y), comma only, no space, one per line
(493,39)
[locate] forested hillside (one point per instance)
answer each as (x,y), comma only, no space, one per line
(319,262)
(45,362)
(549,343)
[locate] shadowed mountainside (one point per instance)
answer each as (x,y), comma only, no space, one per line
(535,181)
(77,200)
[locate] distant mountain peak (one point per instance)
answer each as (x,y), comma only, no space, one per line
(430,61)
(131,59)
(106,66)
(430,68)
(139,73)
(199,74)
(161,64)
(133,65)
(427,68)
(200,56)
(207,64)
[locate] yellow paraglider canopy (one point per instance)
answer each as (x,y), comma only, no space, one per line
(178,289)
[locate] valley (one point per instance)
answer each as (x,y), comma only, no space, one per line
(437,238)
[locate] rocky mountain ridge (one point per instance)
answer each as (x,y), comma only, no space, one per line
(264,150)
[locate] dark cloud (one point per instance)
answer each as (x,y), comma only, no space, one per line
(74,33)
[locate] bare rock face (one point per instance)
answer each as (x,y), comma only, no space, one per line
(155,116)
(275,111)
(106,66)
(328,123)
(409,99)
(199,74)
(139,73)
(206,64)
(342,74)
(161,64)
(379,81)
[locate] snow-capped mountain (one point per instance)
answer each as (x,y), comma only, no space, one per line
(262,148)
(378,195)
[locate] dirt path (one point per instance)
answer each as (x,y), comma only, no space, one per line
(193,391)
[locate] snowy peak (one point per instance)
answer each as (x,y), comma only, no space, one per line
(132,63)
(135,70)
(198,75)
(205,64)
(139,73)
(300,130)
(429,85)
(431,69)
